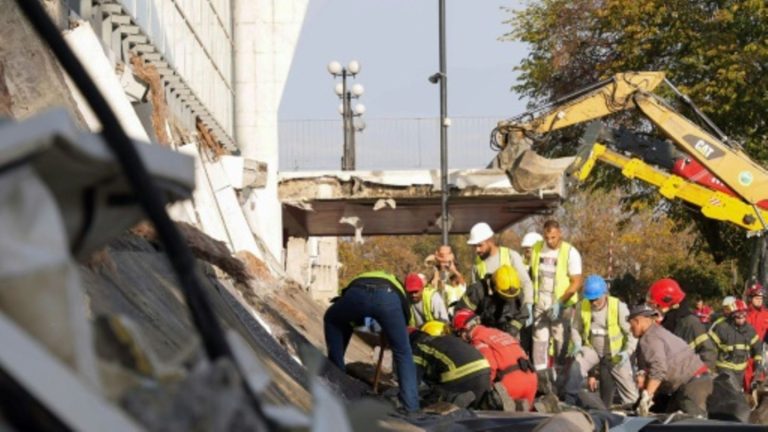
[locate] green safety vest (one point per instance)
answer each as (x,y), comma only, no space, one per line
(615,335)
(562,281)
(504,259)
(426,306)
(378,274)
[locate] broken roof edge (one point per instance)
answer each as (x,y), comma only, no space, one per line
(319,185)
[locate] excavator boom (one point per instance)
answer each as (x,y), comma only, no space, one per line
(748,180)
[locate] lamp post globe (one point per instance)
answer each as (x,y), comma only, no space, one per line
(334,68)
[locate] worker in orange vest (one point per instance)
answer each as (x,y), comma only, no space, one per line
(510,365)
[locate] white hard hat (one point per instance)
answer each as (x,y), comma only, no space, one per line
(531,239)
(728,301)
(479,233)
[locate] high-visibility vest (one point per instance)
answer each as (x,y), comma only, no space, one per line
(504,259)
(426,306)
(562,281)
(378,274)
(615,335)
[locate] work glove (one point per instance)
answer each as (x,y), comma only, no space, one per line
(529,320)
(554,311)
(623,358)
(644,404)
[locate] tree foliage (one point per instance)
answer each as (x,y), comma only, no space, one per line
(716,52)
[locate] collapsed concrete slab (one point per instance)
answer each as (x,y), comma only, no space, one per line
(339,203)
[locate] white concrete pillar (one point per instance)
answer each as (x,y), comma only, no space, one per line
(265,34)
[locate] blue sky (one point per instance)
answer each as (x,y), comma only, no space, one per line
(396,43)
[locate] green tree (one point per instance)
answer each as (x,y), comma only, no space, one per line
(715,52)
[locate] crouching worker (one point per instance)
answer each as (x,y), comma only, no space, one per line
(454,371)
(512,373)
(601,337)
(667,366)
(381,296)
(497,301)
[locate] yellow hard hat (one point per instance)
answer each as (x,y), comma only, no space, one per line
(506,282)
(435,328)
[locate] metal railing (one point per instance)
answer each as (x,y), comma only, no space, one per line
(387,143)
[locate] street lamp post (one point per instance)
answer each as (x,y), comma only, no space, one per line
(348,113)
(445,122)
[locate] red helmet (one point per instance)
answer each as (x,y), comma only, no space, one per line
(461,318)
(665,293)
(739,306)
(413,283)
(755,290)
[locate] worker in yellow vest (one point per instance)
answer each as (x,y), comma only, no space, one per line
(426,303)
(600,335)
(489,257)
(557,278)
(381,296)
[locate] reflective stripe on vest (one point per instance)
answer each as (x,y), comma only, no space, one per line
(724,350)
(562,281)
(453,372)
(504,259)
(615,336)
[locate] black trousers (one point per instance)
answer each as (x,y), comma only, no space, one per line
(691,398)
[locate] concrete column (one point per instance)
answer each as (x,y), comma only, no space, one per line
(265,34)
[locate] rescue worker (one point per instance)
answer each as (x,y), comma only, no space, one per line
(447,278)
(381,296)
(489,257)
(455,371)
(736,343)
(669,299)
(526,245)
(667,365)
(703,312)
(556,272)
(509,363)
(601,337)
(426,303)
(757,317)
(496,300)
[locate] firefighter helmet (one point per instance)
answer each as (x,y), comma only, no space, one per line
(665,293)
(462,318)
(739,307)
(755,290)
(506,282)
(435,328)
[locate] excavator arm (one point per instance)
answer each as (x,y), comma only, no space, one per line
(744,178)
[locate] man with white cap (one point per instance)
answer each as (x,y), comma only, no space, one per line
(489,257)
(526,245)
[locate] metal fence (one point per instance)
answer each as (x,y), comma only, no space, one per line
(394,143)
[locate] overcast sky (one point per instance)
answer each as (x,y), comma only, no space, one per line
(396,43)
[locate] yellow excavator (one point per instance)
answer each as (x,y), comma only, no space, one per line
(701,166)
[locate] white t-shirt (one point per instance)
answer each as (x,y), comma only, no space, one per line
(548,265)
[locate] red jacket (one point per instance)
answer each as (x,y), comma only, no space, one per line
(503,351)
(759,320)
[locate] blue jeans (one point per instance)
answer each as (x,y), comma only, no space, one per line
(383,305)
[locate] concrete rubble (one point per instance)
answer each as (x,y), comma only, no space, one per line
(102,337)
